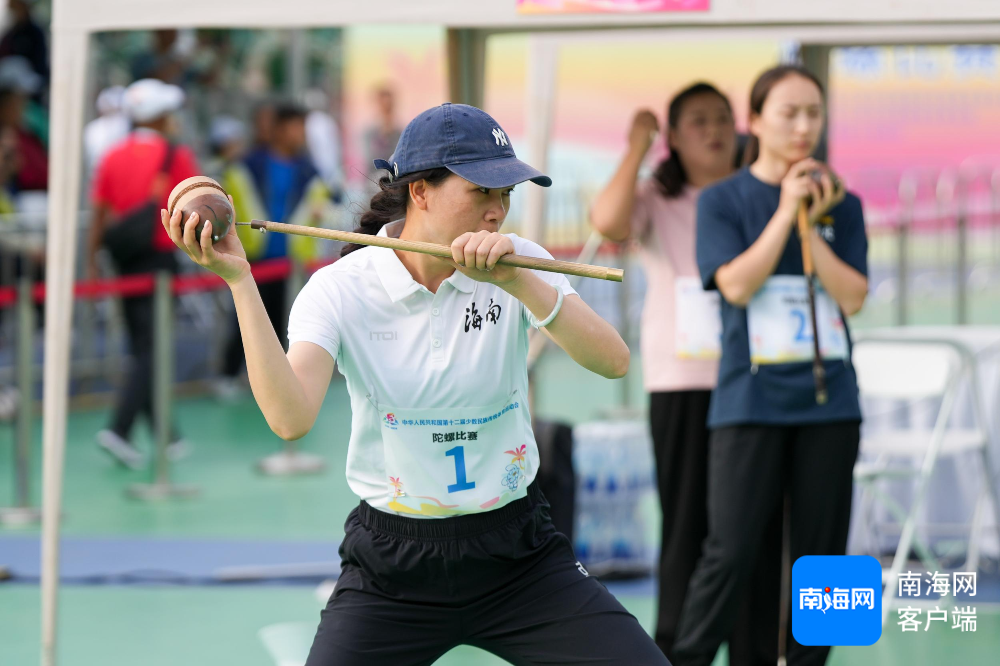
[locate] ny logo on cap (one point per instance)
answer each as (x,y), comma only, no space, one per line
(500,137)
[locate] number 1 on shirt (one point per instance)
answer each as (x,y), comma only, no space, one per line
(461,483)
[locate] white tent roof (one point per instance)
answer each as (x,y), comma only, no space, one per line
(93,15)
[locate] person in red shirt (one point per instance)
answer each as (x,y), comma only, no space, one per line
(18,82)
(128,177)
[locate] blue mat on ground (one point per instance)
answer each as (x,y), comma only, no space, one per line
(145,561)
(179,561)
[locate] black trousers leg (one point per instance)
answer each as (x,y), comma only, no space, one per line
(746,471)
(358,628)
(754,640)
(505,581)
(273,295)
(821,481)
(232,357)
(680,447)
(136,394)
(564,618)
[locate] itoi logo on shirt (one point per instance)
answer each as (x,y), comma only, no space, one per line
(837,600)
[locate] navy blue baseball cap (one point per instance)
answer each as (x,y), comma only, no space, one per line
(465,140)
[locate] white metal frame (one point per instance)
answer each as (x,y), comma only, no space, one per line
(74,21)
(928,451)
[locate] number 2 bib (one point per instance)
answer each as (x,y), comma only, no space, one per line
(781,328)
(452,461)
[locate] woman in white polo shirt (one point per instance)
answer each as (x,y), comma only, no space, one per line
(452,542)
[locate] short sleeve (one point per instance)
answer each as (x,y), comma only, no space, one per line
(718,239)
(529,248)
(101,192)
(185,165)
(316,314)
(851,243)
(641,215)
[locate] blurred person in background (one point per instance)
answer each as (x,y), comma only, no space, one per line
(26,38)
(679,371)
(31,161)
(323,140)
(8,167)
(262,121)
(22,247)
(226,144)
(108,129)
(164,60)
(132,183)
(771,437)
(380,138)
(281,184)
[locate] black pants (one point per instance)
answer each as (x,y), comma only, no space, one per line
(677,422)
(750,468)
(555,476)
(411,589)
(136,394)
(273,295)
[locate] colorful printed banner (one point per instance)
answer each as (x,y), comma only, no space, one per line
(609,6)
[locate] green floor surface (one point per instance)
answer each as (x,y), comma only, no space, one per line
(227,440)
(211,626)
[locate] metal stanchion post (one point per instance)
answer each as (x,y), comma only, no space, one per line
(291,461)
(961,259)
(88,317)
(624,304)
(163,380)
(902,271)
(22,513)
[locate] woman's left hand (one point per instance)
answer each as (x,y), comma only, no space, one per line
(476,255)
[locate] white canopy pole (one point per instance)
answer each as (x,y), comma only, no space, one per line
(543,65)
(69,58)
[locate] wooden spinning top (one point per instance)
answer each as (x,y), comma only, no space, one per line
(202,195)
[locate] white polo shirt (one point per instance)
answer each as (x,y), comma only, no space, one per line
(397,344)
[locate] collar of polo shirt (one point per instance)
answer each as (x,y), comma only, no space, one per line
(396,280)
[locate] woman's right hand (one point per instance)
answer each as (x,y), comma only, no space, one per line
(226,258)
(643,130)
(798,186)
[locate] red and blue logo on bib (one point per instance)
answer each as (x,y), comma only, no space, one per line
(390,420)
(837,600)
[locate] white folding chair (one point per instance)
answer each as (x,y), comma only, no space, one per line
(912,371)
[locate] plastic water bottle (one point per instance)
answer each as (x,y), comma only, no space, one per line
(614,468)
(587,473)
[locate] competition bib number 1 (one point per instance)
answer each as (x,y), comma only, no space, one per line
(780,326)
(461,483)
(445,462)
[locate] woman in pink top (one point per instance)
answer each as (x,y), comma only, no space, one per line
(680,322)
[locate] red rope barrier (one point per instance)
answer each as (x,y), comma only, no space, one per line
(143,284)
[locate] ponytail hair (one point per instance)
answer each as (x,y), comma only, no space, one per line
(390,202)
(670,174)
(758,95)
